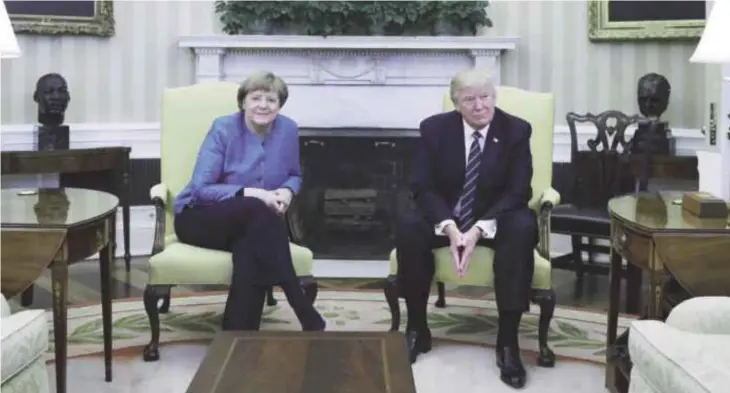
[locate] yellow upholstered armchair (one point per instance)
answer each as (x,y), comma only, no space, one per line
(536,108)
(187,114)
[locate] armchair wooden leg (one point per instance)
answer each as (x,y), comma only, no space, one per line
(441,301)
(310,287)
(165,306)
(546,300)
(391,296)
(270,301)
(152,296)
(577,243)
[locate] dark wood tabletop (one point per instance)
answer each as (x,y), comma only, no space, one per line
(305,362)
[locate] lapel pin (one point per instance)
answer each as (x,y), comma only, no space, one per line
(495,140)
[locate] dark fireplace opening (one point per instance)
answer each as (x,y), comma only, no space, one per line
(355,186)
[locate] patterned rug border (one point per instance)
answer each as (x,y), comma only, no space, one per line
(277,291)
(465,321)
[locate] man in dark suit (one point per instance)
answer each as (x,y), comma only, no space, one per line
(471,184)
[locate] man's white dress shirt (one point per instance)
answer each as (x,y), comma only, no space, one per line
(488,227)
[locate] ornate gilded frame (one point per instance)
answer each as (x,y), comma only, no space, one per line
(101,24)
(600,29)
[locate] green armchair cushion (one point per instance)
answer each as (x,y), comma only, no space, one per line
(183,264)
(480,272)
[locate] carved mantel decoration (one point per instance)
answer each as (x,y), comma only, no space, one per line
(351,81)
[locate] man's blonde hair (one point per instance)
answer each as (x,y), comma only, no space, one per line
(470,77)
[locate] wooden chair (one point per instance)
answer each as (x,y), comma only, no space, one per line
(536,108)
(600,172)
(187,114)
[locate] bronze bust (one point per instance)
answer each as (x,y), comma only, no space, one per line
(51,94)
(653,135)
(653,91)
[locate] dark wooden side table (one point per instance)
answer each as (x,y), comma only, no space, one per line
(104,169)
(305,362)
(639,224)
(55,228)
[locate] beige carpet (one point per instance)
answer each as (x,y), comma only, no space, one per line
(461,361)
(449,367)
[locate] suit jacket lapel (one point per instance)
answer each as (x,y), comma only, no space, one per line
(454,143)
(492,141)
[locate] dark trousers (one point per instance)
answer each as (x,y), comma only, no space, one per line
(514,261)
(259,241)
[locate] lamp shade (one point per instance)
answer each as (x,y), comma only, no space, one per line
(8,44)
(714,46)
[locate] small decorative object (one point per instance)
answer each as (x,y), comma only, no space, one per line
(621,20)
(705,205)
(653,92)
(52,96)
(92,17)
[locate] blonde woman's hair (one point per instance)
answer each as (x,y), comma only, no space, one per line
(470,77)
(263,81)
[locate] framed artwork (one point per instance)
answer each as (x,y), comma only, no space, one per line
(94,17)
(645,20)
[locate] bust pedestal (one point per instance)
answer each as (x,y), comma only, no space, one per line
(662,142)
(49,138)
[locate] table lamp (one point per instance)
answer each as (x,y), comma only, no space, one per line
(8,44)
(714,48)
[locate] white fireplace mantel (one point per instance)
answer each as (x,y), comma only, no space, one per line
(350,81)
(348,42)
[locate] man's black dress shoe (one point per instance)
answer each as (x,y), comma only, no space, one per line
(512,372)
(418,342)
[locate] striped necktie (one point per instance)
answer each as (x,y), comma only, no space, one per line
(465,220)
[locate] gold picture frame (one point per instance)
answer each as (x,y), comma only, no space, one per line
(602,29)
(101,24)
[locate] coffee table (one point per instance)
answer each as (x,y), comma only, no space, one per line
(305,362)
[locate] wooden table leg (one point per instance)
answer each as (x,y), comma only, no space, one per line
(59,284)
(634,276)
(613,309)
(106,260)
(124,199)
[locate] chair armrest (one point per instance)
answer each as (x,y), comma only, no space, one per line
(293,223)
(159,191)
(550,196)
(159,195)
(703,315)
(549,199)
(24,339)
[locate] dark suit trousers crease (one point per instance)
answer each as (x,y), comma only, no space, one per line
(258,239)
(513,266)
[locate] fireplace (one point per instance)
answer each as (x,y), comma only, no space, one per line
(358,102)
(355,185)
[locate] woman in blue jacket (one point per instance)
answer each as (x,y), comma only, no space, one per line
(245,176)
